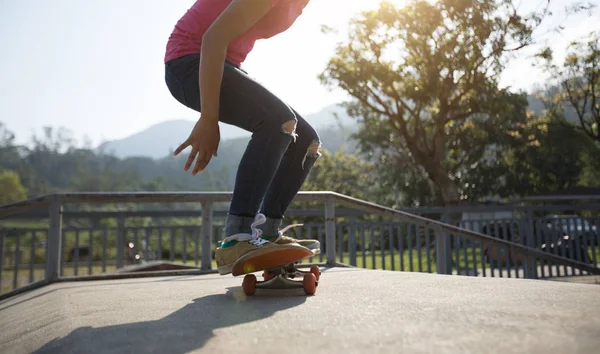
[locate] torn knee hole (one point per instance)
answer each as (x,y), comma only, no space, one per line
(312,152)
(314,148)
(289,126)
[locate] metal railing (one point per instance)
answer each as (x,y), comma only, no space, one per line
(405,241)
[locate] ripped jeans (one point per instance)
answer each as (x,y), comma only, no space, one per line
(279,156)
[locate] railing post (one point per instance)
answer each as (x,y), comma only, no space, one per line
(54,242)
(352,241)
(3,233)
(207,216)
(120,241)
(529,262)
(443,251)
(330,231)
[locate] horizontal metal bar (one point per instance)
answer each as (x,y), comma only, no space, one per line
(35,214)
(185,197)
(135,197)
(31,286)
(169,213)
(562,197)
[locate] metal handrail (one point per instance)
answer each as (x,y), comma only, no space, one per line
(134,197)
(346,212)
(170,197)
(55,201)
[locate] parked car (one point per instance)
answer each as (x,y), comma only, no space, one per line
(551,237)
(575,226)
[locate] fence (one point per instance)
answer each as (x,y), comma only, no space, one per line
(522,241)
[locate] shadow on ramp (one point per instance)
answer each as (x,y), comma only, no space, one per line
(185,330)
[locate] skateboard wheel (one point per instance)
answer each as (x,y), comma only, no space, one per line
(316,271)
(249,284)
(309,283)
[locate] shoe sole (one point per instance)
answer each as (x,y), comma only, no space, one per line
(226,269)
(313,246)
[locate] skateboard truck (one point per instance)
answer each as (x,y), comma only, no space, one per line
(282,278)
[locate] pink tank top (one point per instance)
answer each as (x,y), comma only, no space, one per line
(186,37)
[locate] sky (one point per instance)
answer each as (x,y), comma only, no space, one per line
(95,67)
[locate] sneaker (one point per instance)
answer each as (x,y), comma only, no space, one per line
(246,245)
(281,239)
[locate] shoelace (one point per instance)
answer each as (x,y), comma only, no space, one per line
(254,238)
(282,231)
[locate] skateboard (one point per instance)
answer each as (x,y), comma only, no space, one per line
(282,274)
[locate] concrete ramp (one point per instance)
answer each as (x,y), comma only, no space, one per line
(353,311)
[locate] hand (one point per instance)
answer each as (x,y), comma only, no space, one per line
(204,140)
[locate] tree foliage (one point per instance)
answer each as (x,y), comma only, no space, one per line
(11,189)
(579,78)
(538,155)
(424,83)
(346,174)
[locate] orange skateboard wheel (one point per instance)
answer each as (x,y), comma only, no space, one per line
(309,283)
(316,271)
(249,284)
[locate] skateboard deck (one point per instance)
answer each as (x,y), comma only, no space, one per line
(251,263)
(281,276)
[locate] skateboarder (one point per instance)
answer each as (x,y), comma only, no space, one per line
(202,71)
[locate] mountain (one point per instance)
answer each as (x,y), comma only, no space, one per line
(332,122)
(159,140)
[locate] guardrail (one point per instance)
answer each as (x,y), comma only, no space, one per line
(432,235)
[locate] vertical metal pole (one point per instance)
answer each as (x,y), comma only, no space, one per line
(443,251)
(352,241)
(3,233)
(530,261)
(330,231)
(207,216)
(120,241)
(54,243)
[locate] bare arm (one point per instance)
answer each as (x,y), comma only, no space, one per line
(237,18)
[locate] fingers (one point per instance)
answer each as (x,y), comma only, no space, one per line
(190,159)
(200,152)
(201,163)
(181,147)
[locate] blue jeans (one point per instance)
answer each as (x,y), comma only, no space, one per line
(276,161)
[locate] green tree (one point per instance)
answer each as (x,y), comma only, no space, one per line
(11,189)
(342,173)
(539,155)
(579,78)
(424,78)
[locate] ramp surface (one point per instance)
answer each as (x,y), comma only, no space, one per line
(353,311)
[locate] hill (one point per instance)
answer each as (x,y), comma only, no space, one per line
(159,140)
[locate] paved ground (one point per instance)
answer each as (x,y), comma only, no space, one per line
(354,311)
(582,279)
(544,271)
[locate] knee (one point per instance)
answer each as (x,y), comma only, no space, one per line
(289,127)
(283,124)
(314,149)
(311,145)
(312,153)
